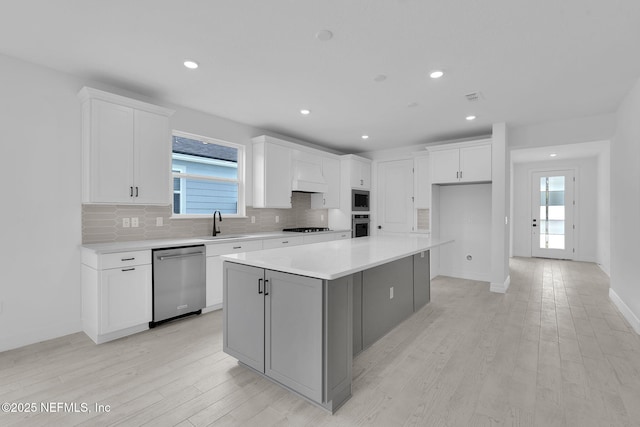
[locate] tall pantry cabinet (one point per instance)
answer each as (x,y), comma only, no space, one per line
(126,150)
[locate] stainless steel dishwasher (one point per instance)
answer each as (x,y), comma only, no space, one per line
(179,286)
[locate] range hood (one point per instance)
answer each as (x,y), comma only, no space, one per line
(307,176)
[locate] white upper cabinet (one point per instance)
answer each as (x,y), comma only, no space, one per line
(457,163)
(126,150)
(360,172)
(271,174)
(422,182)
(331,174)
(475,163)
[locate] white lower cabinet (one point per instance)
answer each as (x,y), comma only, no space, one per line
(116,294)
(125,298)
(283,242)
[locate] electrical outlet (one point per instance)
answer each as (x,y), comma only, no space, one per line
(391,292)
(253,219)
(134,221)
(126,223)
(158,221)
(277,219)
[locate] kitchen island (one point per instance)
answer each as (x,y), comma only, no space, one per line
(298,315)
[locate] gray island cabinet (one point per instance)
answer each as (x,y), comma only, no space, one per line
(298,315)
(295,330)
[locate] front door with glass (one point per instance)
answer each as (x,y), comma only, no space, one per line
(552,214)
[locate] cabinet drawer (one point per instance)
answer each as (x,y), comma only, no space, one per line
(233,247)
(316,238)
(283,242)
(342,235)
(124,259)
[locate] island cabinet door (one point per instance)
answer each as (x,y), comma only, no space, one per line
(421,280)
(293,332)
(243,296)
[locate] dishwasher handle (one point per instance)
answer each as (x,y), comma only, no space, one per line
(162,258)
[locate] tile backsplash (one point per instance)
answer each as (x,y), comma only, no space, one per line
(103,223)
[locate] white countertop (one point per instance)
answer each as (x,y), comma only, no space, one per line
(338,258)
(140,245)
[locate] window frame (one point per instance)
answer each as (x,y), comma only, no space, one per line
(241,211)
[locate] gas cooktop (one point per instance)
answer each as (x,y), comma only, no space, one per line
(306,229)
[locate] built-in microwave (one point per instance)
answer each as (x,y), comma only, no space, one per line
(360,200)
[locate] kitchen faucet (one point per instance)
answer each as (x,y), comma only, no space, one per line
(216,230)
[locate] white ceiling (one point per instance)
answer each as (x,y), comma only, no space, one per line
(260,62)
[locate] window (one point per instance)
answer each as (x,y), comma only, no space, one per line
(207,176)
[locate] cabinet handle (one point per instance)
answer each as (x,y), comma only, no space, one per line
(259,283)
(130,191)
(460,174)
(128,269)
(286,241)
(324,202)
(127,259)
(457,174)
(136,191)
(361,182)
(237,247)
(266,281)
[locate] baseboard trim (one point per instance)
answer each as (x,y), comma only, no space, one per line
(33,336)
(625,310)
(500,288)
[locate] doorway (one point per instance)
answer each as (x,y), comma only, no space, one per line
(552,209)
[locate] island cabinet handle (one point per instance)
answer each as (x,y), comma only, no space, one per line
(285,241)
(259,288)
(127,259)
(266,281)
(128,269)
(237,247)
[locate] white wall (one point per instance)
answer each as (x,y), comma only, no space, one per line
(592,128)
(500,202)
(625,209)
(465,215)
(40,214)
(586,211)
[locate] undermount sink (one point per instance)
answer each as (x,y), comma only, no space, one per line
(223,237)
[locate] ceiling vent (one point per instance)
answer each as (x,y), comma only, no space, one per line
(474,96)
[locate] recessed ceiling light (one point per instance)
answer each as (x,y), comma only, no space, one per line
(324,35)
(469,118)
(305,112)
(380,78)
(552,155)
(436,74)
(365,136)
(192,65)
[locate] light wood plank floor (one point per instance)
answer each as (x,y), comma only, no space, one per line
(552,351)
